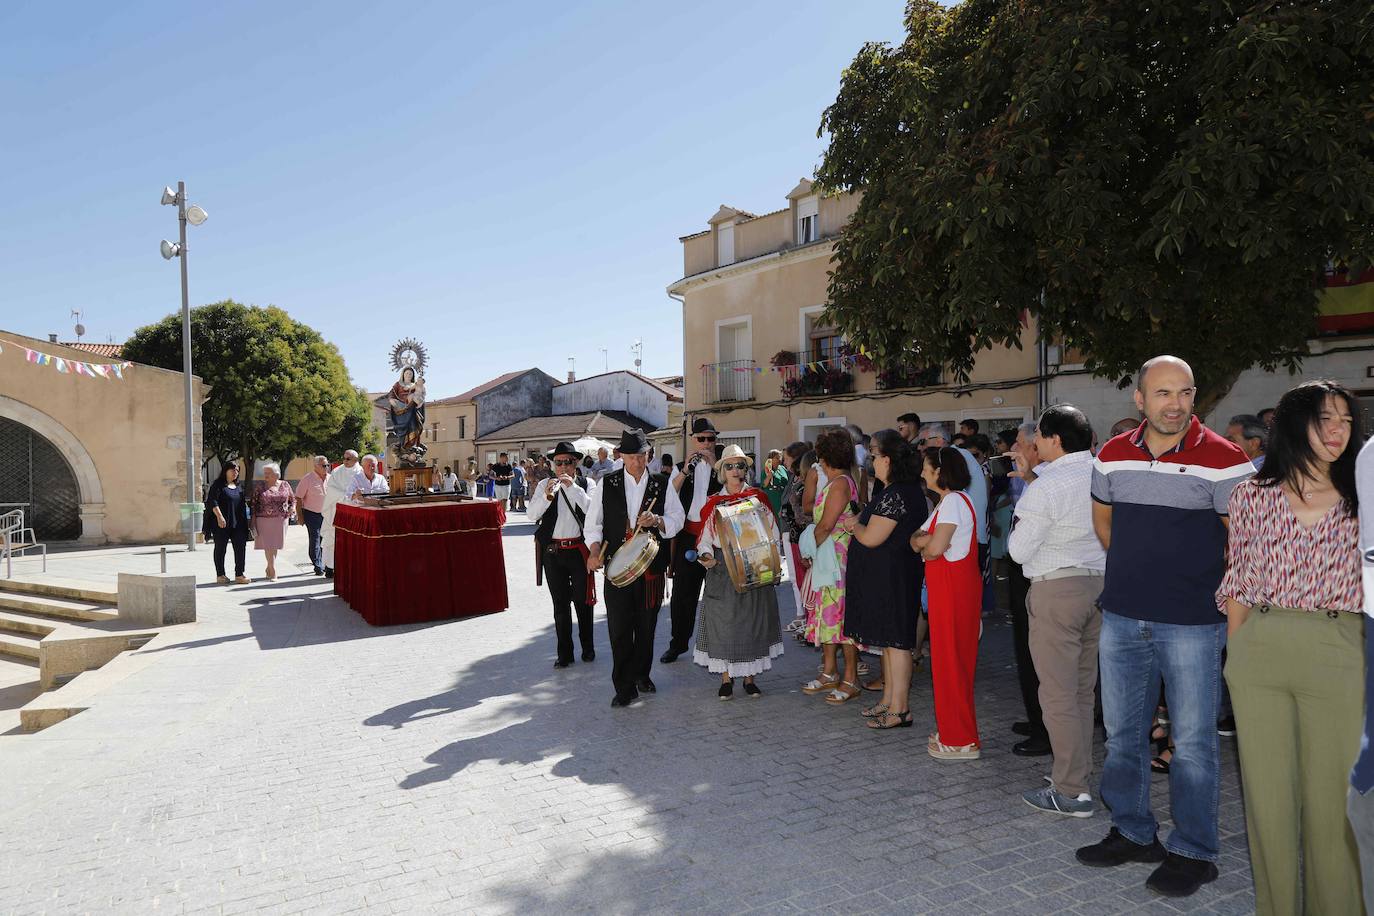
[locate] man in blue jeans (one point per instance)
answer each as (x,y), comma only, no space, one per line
(1160,495)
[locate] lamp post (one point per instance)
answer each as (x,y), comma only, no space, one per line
(195,215)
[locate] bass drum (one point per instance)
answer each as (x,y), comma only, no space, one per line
(632,560)
(750,553)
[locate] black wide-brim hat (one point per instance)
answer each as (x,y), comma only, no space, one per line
(564,448)
(633,441)
(702,425)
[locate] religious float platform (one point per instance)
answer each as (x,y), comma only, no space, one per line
(421,557)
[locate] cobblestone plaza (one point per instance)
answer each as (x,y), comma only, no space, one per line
(286,757)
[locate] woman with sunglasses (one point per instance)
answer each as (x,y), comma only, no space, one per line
(883,599)
(738,634)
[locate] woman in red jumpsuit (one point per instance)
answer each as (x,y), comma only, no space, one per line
(949,544)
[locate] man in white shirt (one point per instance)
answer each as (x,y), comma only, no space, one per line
(561,551)
(1054,541)
(625,501)
(335,490)
(368,482)
(692,486)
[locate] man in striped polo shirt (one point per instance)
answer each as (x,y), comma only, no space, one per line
(1160,497)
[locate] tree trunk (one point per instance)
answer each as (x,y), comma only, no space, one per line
(1216,390)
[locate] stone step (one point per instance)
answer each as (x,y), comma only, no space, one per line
(57,608)
(12,663)
(19,622)
(24,645)
(75,591)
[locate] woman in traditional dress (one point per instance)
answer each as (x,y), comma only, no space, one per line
(834,514)
(738,634)
(273,503)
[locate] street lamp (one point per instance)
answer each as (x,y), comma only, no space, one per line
(195,216)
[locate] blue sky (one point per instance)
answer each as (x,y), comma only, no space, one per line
(506,182)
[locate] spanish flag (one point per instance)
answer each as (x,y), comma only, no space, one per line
(1347,303)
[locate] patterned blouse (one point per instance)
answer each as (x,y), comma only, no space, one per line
(1275,560)
(274,502)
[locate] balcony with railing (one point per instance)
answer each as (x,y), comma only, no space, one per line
(732,380)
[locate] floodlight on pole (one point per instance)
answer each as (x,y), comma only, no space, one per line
(195,216)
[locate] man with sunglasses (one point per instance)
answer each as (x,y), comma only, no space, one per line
(561,551)
(695,484)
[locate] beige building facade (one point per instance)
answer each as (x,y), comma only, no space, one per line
(96,459)
(753,292)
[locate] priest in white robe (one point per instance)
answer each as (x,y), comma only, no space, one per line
(335,489)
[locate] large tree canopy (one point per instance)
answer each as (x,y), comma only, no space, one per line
(1170,177)
(278,390)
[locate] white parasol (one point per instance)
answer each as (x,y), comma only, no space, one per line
(588,445)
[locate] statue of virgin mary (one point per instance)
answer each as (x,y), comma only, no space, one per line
(406,402)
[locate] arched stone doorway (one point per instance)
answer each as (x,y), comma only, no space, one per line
(33,472)
(42,463)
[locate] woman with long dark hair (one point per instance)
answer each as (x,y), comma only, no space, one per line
(1295,659)
(884,595)
(226,509)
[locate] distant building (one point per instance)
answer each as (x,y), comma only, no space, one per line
(760,362)
(454,424)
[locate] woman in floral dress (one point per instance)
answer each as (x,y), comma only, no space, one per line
(273,504)
(834,516)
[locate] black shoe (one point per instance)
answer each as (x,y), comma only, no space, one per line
(1032,747)
(319,570)
(752,689)
(621,701)
(669,657)
(1227,727)
(1021,728)
(328,573)
(726,691)
(562,663)
(646,686)
(1117,850)
(1180,876)
(589,655)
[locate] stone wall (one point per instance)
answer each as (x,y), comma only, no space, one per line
(124,438)
(525,396)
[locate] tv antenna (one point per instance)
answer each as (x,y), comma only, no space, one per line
(80,328)
(637,348)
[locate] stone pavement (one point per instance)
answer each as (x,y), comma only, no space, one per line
(287,757)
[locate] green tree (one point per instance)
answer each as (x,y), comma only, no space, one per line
(1169,177)
(277,388)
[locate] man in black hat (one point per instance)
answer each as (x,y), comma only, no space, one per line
(694,484)
(630,499)
(561,550)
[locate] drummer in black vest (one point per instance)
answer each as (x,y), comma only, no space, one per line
(627,500)
(562,551)
(694,484)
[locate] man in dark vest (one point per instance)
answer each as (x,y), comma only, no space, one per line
(694,484)
(558,507)
(627,500)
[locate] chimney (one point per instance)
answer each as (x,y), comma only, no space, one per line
(52,338)
(572,376)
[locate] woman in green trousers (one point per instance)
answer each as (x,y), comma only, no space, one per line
(1295,660)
